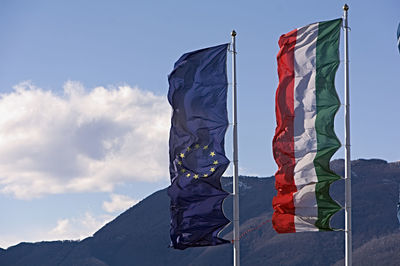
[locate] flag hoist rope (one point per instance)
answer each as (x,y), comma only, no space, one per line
(347,177)
(236,235)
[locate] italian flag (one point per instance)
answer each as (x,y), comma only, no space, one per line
(304,141)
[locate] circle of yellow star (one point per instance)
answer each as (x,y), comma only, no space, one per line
(196,176)
(212,169)
(205,147)
(183,170)
(212,154)
(188,175)
(182,155)
(196,146)
(179,162)
(205,175)
(215,162)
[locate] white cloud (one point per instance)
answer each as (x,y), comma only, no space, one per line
(61,228)
(75,228)
(84,140)
(118,203)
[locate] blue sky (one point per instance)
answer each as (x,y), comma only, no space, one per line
(85,119)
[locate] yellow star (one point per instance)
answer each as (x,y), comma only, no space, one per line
(196,176)
(196,146)
(179,162)
(212,154)
(183,170)
(212,169)
(188,149)
(205,175)
(205,147)
(215,162)
(188,175)
(182,155)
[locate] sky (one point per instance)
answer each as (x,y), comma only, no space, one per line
(84,118)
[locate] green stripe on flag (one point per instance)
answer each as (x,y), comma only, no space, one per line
(328,103)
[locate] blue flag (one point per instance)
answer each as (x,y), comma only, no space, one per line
(197,93)
(398,37)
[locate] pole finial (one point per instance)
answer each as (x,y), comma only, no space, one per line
(345,7)
(233,33)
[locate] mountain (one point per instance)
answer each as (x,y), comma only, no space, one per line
(140,236)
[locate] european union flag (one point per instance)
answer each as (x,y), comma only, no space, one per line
(197,93)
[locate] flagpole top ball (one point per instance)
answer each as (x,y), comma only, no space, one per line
(345,7)
(233,33)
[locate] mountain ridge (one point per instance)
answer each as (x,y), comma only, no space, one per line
(140,235)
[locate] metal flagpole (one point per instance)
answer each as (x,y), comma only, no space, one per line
(236,243)
(347,177)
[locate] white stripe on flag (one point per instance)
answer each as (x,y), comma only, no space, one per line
(305,136)
(305,224)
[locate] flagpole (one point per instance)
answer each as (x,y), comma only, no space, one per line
(236,240)
(347,178)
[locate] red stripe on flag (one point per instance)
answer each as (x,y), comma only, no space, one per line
(283,143)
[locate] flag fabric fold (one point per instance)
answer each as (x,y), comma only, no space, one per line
(304,141)
(398,37)
(198,93)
